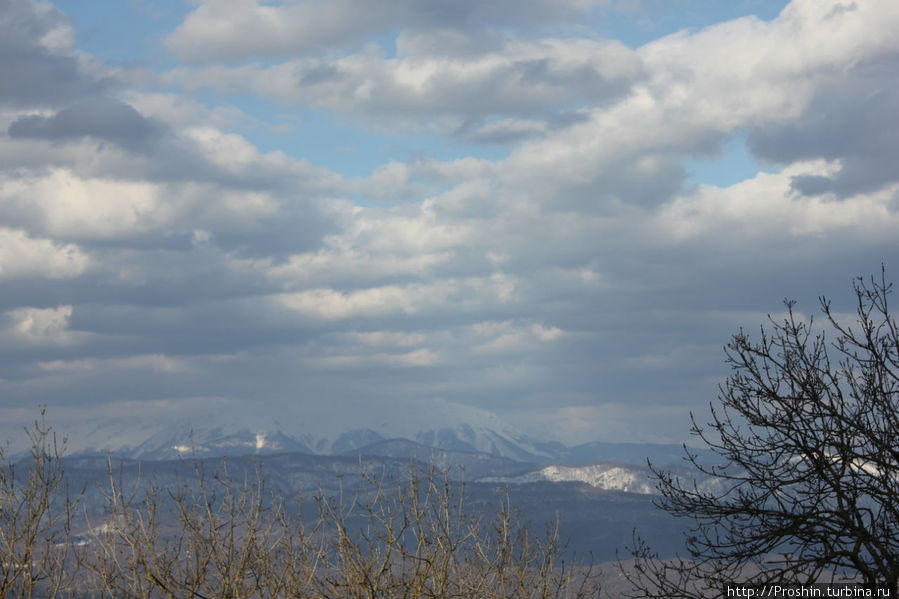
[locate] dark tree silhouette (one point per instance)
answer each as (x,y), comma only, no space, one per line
(807,487)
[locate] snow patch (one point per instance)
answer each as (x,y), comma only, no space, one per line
(606,476)
(603,476)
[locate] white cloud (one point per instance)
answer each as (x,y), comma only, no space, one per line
(390,338)
(746,71)
(59,38)
(466,294)
(767,206)
(374,243)
(152,362)
(681,92)
(40,326)
(411,359)
(24,256)
(70,203)
(519,77)
(73,207)
(701,88)
(537,280)
(232,152)
(342,264)
(233,30)
(508,337)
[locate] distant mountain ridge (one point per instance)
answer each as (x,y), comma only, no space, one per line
(599,491)
(184,441)
(438,425)
(597,505)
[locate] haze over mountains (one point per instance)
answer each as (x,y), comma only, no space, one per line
(600,492)
(440,425)
(597,506)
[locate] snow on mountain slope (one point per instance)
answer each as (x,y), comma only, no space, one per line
(464,437)
(609,476)
(218,431)
(215,427)
(615,476)
(216,441)
(458,427)
(604,476)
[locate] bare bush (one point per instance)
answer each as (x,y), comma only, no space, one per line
(213,536)
(36,513)
(225,537)
(418,538)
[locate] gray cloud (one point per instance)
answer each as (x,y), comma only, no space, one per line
(99,117)
(515,131)
(541,80)
(222,30)
(849,120)
(167,258)
(33,73)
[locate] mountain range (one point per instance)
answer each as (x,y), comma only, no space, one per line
(597,506)
(439,425)
(599,491)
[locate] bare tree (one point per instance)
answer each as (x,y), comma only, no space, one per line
(216,535)
(809,472)
(414,537)
(419,538)
(36,512)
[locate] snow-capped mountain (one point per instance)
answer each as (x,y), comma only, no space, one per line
(436,424)
(216,441)
(600,501)
(351,440)
(218,432)
(465,437)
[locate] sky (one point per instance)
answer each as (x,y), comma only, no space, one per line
(557,210)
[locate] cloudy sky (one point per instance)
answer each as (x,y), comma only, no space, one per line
(556,210)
